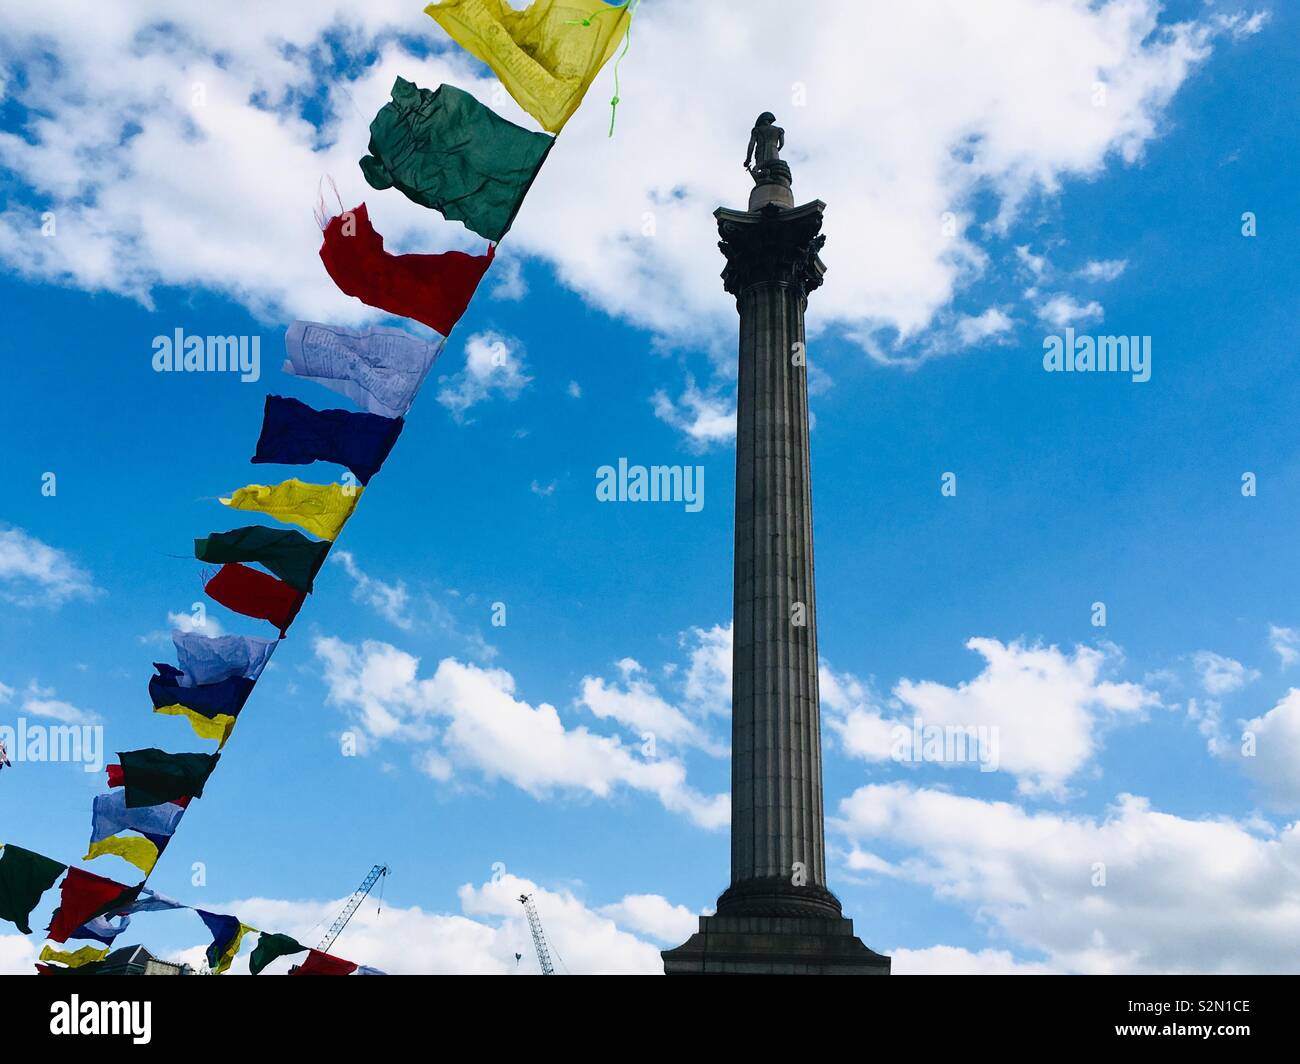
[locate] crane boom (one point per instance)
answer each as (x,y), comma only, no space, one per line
(539,939)
(353,904)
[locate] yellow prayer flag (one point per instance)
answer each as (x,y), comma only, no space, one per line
(322,509)
(216,727)
(546,55)
(85,955)
(139,851)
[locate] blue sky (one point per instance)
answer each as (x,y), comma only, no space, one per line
(1072,489)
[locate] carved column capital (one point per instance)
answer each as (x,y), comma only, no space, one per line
(772,246)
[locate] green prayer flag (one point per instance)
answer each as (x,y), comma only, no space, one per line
(24,877)
(284,552)
(445,150)
(154,776)
(270,947)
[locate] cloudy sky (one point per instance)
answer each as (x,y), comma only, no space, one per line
(994,174)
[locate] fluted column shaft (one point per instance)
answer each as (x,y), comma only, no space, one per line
(776,765)
(778,861)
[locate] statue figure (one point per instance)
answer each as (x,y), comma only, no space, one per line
(766,140)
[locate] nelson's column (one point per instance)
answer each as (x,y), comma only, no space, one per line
(777,917)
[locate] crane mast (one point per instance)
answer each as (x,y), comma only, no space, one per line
(539,939)
(353,904)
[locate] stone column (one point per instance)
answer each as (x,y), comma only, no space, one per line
(778,863)
(778,915)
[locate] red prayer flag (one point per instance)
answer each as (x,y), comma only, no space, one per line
(82,897)
(256,594)
(433,289)
(318,963)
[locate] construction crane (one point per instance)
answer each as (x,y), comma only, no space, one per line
(354,903)
(539,939)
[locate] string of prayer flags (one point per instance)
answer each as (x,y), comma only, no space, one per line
(546,55)
(431,289)
(227,935)
(102,929)
(380,370)
(318,963)
(365,969)
(270,948)
(206,659)
(443,149)
(322,509)
(24,878)
(256,594)
(288,554)
(74,958)
(83,896)
(294,433)
(152,776)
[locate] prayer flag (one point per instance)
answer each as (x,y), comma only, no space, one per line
(545,55)
(445,150)
(227,934)
(295,434)
(152,776)
(102,929)
(255,594)
(380,369)
(210,659)
(24,877)
(84,896)
(431,289)
(318,963)
(74,958)
(135,849)
(322,509)
(271,947)
(287,553)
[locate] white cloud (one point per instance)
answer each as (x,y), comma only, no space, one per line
(471,716)
(1277,752)
(1240,25)
(1285,643)
(1046,707)
(1180,895)
(390,601)
(927,108)
(190,622)
(1061,310)
(654,915)
(493,364)
(976,328)
(575,390)
(33,573)
(17,955)
(637,705)
(952,960)
(543,491)
(508,278)
(1220,675)
(706,419)
(1100,270)
(40,701)
(708,677)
